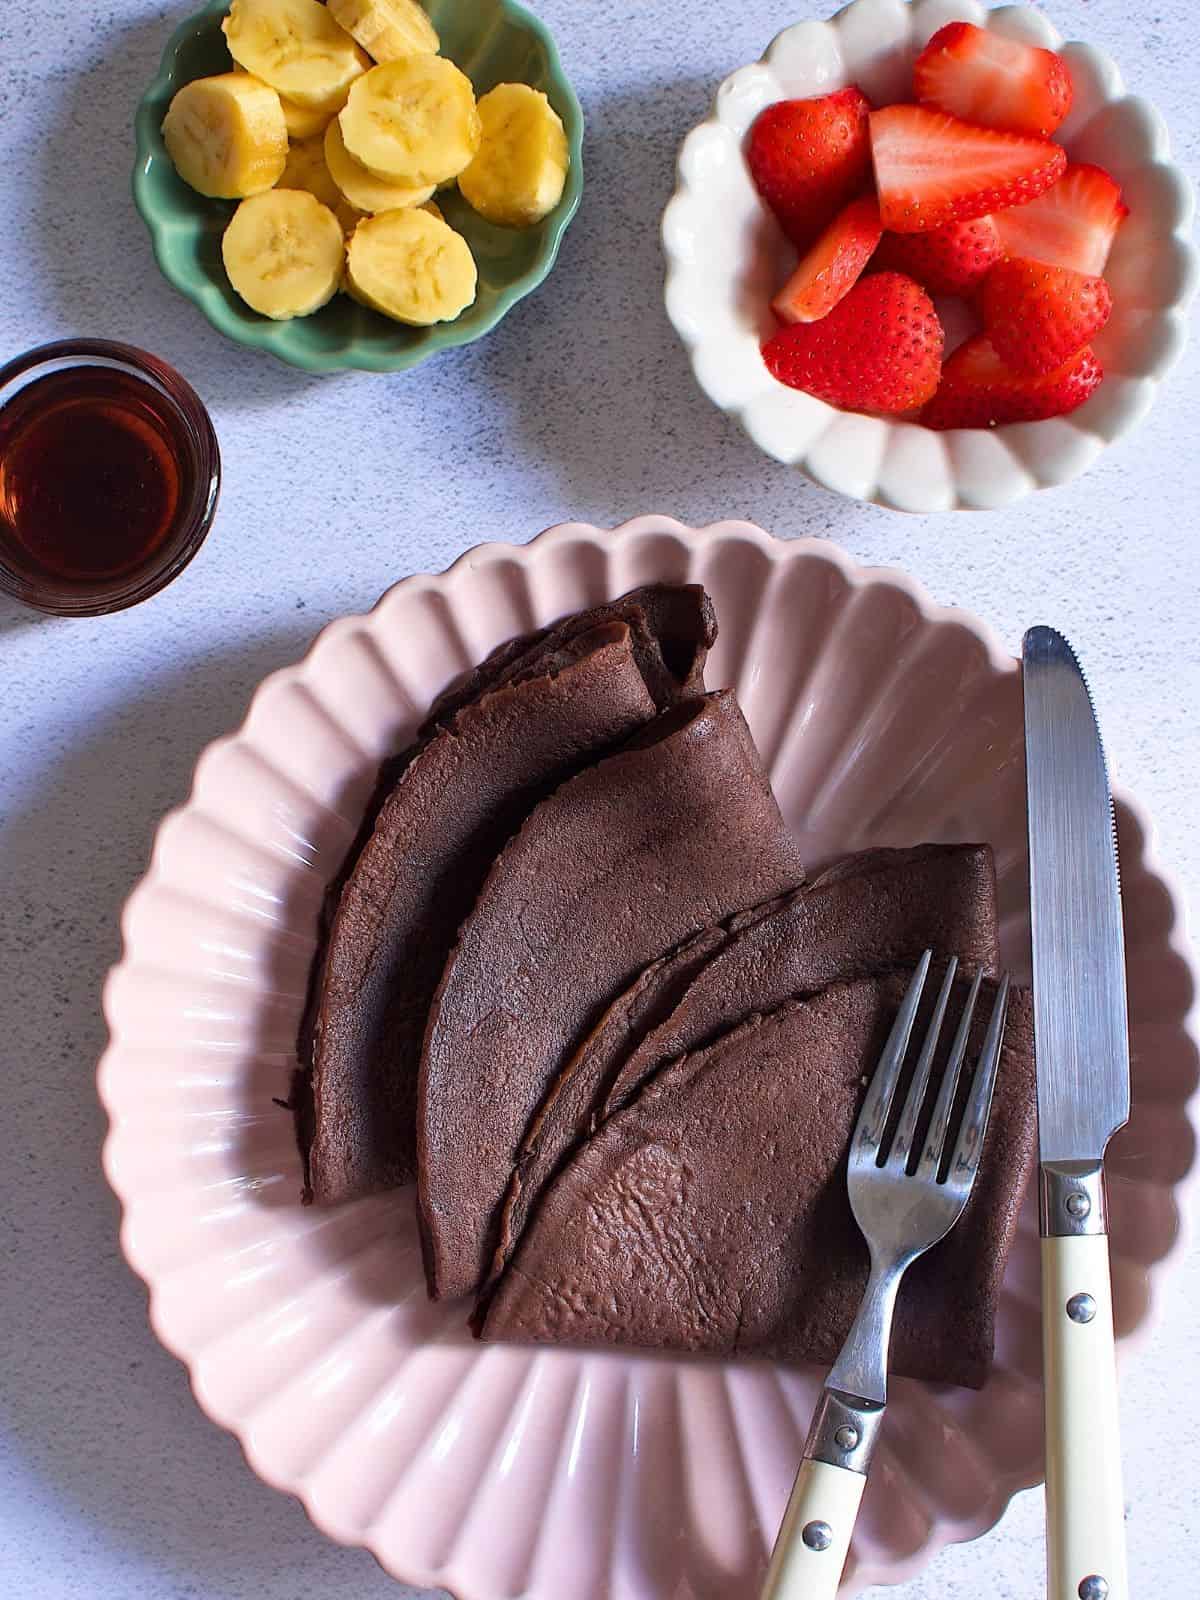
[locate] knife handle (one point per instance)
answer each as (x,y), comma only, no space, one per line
(1085,1507)
(814,1537)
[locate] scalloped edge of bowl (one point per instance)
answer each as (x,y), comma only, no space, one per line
(1087,435)
(1000,659)
(271,337)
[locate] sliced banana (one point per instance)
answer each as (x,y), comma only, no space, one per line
(306,170)
(362,188)
(284,253)
(387,29)
(226,135)
(303,122)
(296,47)
(413,121)
(518,176)
(411,266)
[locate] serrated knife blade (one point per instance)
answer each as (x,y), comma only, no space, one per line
(1081,1043)
(1078,944)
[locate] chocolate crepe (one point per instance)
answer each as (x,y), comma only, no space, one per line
(618,867)
(437,835)
(869,913)
(711,1214)
(673,626)
(530,716)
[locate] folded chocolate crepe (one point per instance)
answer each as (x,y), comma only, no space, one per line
(673,627)
(871,912)
(711,1214)
(623,863)
(534,714)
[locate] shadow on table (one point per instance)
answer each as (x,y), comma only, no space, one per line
(588,377)
(16,618)
(101,1415)
(93,248)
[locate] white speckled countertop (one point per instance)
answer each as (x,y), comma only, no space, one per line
(111,1482)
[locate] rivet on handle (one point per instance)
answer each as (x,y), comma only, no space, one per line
(1093,1588)
(819,1536)
(1082,1308)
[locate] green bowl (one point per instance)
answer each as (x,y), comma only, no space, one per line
(493,41)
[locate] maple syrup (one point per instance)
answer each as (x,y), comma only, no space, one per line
(108,477)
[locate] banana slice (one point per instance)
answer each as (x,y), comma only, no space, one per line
(411,266)
(362,188)
(301,123)
(296,47)
(304,123)
(306,170)
(226,135)
(387,29)
(518,176)
(412,122)
(284,253)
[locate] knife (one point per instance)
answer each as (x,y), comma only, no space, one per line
(1082,1043)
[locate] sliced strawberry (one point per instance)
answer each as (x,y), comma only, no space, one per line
(983,77)
(1037,316)
(950,260)
(809,157)
(879,349)
(932,169)
(978,391)
(833,266)
(1072,225)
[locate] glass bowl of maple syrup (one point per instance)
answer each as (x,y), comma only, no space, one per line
(109,476)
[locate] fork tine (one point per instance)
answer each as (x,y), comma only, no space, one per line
(906,1131)
(872,1119)
(975,1118)
(935,1139)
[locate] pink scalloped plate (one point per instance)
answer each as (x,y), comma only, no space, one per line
(496,1471)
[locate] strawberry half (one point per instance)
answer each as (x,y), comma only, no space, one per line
(809,157)
(983,77)
(978,391)
(1072,225)
(879,349)
(833,266)
(950,260)
(931,169)
(1037,316)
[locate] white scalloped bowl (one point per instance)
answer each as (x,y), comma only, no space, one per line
(499,1471)
(726,257)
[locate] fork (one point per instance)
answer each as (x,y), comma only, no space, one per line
(901,1215)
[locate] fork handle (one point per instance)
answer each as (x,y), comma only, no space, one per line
(814,1537)
(1085,1508)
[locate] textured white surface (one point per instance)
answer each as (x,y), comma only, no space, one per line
(581,405)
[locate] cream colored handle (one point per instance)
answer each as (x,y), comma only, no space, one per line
(814,1537)
(1085,1508)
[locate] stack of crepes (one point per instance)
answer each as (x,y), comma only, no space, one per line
(573,981)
